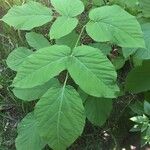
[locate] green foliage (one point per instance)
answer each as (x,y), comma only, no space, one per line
(67,22)
(37,41)
(17,57)
(26,128)
(62,26)
(93,72)
(145,6)
(107,25)
(73,80)
(142,124)
(28,16)
(30,94)
(42,66)
(69,40)
(96,111)
(138,79)
(60,110)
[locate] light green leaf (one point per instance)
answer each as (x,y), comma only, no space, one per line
(28,16)
(28,135)
(98,2)
(139,119)
(93,72)
(17,57)
(62,26)
(36,40)
(145,5)
(41,66)
(61,117)
(123,29)
(68,8)
(69,40)
(138,80)
(35,92)
(98,110)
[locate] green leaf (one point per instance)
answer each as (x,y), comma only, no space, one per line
(144,53)
(62,26)
(105,48)
(145,5)
(82,94)
(98,2)
(68,8)
(61,117)
(132,6)
(140,119)
(28,135)
(128,51)
(93,72)
(137,108)
(85,2)
(138,80)
(17,57)
(28,16)
(36,40)
(118,62)
(147,107)
(42,66)
(35,92)
(137,62)
(136,128)
(69,40)
(106,25)
(98,110)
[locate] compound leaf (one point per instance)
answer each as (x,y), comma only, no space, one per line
(41,66)
(68,8)
(61,117)
(62,26)
(17,57)
(28,135)
(28,16)
(93,72)
(96,111)
(123,29)
(36,40)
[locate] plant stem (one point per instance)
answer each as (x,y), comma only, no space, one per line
(66,78)
(79,36)
(8,3)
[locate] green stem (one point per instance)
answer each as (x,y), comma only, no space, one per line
(8,3)
(65,82)
(79,36)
